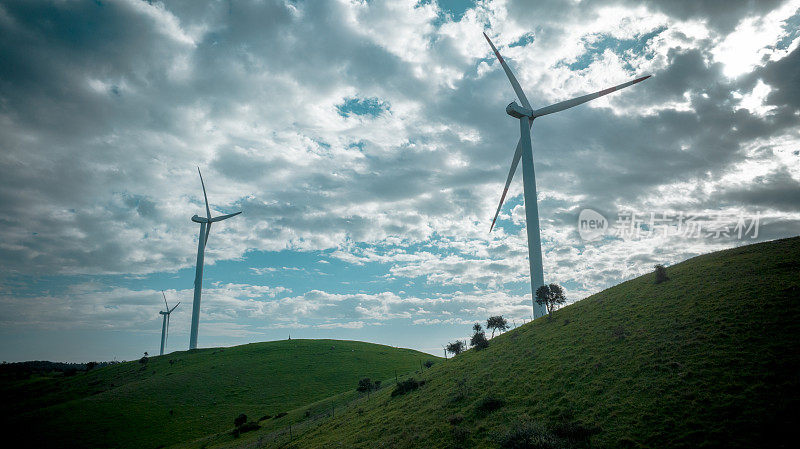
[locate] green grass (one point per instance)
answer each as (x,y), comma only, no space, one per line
(711,358)
(131,405)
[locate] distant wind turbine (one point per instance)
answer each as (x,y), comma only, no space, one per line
(205,229)
(165,323)
(526,115)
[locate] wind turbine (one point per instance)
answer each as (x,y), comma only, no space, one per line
(165,323)
(205,229)
(526,114)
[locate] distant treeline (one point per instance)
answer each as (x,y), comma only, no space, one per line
(24,369)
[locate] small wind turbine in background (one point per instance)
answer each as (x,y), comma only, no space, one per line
(165,323)
(205,229)
(526,115)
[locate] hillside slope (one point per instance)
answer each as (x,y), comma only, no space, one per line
(186,395)
(711,358)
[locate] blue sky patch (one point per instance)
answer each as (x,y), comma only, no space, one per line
(371,107)
(605,42)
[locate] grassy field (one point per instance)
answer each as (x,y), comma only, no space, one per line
(710,358)
(188,395)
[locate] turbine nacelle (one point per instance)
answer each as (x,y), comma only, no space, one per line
(517,111)
(199,219)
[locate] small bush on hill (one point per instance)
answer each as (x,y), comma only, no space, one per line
(239,420)
(280,415)
(365,385)
(526,434)
(661,273)
(456,347)
(428,363)
(264,418)
(406,386)
(245,427)
(248,426)
(479,341)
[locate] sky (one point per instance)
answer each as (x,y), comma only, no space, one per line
(366,144)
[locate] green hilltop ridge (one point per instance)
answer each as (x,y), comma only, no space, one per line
(186,395)
(710,358)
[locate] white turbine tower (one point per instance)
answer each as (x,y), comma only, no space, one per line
(165,323)
(526,114)
(205,229)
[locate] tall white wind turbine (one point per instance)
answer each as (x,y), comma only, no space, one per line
(526,114)
(205,229)
(165,323)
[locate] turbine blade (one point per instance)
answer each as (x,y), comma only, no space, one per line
(583,99)
(514,163)
(208,210)
(223,217)
(165,299)
(176,306)
(208,231)
(517,89)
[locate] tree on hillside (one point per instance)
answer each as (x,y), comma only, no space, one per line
(365,384)
(456,347)
(478,340)
(661,274)
(496,323)
(550,296)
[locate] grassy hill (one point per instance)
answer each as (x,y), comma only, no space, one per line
(710,358)
(185,395)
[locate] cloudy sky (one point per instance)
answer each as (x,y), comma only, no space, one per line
(366,143)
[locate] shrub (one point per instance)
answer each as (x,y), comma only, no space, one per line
(264,418)
(244,427)
(377,384)
(489,404)
(239,420)
(248,426)
(428,363)
(661,274)
(280,415)
(365,385)
(406,386)
(527,435)
(455,348)
(479,341)
(90,366)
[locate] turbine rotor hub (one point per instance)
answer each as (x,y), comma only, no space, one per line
(517,111)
